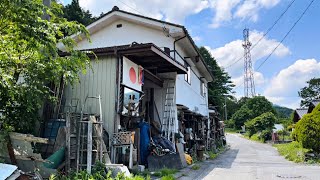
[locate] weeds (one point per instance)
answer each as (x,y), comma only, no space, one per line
(168,177)
(292,151)
(195,167)
(165,172)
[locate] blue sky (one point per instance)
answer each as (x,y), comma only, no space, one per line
(218,25)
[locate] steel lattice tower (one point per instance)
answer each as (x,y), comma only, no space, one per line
(249,88)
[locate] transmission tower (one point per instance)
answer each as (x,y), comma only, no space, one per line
(249,88)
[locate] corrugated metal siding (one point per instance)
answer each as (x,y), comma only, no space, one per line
(100,79)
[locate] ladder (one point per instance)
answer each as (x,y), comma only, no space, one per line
(89,138)
(169,113)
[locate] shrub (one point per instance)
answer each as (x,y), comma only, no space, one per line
(168,177)
(265,135)
(264,122)
(307,130)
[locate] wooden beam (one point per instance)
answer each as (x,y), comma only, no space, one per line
(155,79)
(28,137)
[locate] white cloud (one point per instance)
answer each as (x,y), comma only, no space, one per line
(176,11)
(232,51)
(283,88)
(250,8)
(227,10)
(173,11)
(197,38)
(223,10)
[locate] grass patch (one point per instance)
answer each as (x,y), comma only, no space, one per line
(231,130)
(254,137)
(165,172)
(196,167)
(145,173)
(292,151)
(212,155)
(168,177)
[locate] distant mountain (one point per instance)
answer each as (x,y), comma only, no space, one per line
(282,112)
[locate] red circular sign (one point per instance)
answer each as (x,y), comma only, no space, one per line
(132,75)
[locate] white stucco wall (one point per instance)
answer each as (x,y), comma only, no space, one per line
(188,95)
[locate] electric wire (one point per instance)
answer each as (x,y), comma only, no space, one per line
(130,7)
(286,35)
(264,35)
(304,12)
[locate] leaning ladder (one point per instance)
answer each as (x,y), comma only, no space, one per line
(89,138)
(169,113)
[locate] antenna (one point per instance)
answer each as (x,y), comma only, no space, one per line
(249,88)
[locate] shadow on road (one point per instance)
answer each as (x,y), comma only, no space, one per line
(225,160)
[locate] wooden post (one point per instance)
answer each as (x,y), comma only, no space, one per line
(68,141)
(130,156)
(89,147)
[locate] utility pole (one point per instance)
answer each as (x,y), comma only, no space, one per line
(249,87)
(225,107)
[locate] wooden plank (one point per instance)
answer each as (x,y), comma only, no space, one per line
(28,137)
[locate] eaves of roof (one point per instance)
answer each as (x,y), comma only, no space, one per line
(116,9)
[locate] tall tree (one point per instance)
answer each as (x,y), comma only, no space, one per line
(221,85)
(311,92)
(252,108)
(73,12)
(29,59)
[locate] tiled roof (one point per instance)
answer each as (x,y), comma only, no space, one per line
(315,102)
(301,112)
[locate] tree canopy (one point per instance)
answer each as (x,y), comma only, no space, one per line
(29,59)
(73,12)
(261,123)
(283,112)
(310,92)
(253,107)
(221,85)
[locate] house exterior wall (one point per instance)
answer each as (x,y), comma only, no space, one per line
(188,95)
(98,80)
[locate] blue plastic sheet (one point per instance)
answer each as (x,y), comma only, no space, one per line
(144,142)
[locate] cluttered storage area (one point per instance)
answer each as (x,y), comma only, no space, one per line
(122,113)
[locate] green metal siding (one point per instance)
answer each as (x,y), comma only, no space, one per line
(100,79)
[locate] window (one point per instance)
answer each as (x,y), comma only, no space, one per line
(202,88)
(187,77)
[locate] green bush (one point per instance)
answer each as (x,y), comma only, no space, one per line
(263,123)
(307,130)
(265,135)
(168,177)
(99,172)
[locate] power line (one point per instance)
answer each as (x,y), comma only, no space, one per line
(130,7)
(264,35)
(296,22)
(304,12)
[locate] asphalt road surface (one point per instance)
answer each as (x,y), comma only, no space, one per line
(248,160)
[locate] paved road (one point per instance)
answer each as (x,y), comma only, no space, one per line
(248,160)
